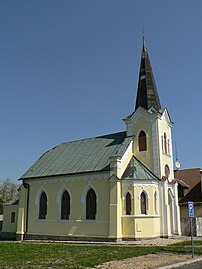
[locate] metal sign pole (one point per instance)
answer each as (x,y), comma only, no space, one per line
(191,216)
(192,242)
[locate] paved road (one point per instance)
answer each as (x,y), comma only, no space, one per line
(196,265)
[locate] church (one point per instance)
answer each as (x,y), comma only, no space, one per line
(113,187)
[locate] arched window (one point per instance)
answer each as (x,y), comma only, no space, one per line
(165,143)
(168,147)
(91,206)
(142,141)
(128,204)
(155,202)
(162,143)
(43,206)
(167,171)
(65,205)
(143,203)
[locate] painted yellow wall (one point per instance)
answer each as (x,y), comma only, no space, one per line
(145,157)
(22,210)
(147,227)
(165,127)
(150,192)
(115,208)
(136,191)
(9,227)
(77,225)
(137,225)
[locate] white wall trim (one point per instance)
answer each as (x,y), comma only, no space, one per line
(84,193)
(68,221)
(38,195)
(140,216)
(124,195)
(59,199)
(60,193)
(37,199)
(69,178)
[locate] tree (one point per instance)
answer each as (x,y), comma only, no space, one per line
(8,192)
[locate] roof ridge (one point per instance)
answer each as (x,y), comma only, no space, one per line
(181,170)
(88,138)
(84,155)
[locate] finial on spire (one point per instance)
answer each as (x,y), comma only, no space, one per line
(144,43)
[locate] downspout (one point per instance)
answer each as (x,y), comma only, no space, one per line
(26,186)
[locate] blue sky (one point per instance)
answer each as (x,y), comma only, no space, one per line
(69,70)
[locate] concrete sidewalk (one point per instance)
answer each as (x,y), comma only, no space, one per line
(178,265)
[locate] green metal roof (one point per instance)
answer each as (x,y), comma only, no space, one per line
(138,171)
(87,155)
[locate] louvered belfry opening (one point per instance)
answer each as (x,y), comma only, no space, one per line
(43,206)
(91,206)
(65,205)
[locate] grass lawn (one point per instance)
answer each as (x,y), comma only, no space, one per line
(61,255)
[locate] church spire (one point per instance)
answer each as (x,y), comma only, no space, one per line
(147,95)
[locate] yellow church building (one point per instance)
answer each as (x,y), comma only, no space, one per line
(114,187)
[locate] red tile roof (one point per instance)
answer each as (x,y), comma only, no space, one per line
(192,177)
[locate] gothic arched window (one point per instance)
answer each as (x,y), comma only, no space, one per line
(91,206)
(168,143)
(142,141)
(128,204)
(143,203)
(165,143)
(65,205)
(43,206)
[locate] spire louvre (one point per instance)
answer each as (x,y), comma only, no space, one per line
(147,94)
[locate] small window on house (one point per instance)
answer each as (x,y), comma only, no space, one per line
(143,203)
(128,204)
(142,141)
(65,205)
(12,217)
(91,206)
(43,206)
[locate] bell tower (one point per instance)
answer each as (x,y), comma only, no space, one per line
(150,124)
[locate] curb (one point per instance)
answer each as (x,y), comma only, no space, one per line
(176,265)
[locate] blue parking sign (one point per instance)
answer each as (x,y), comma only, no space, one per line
(191,209)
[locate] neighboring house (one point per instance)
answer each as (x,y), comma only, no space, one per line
(10,215)
(190,189)
(1,222)
(112,187)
